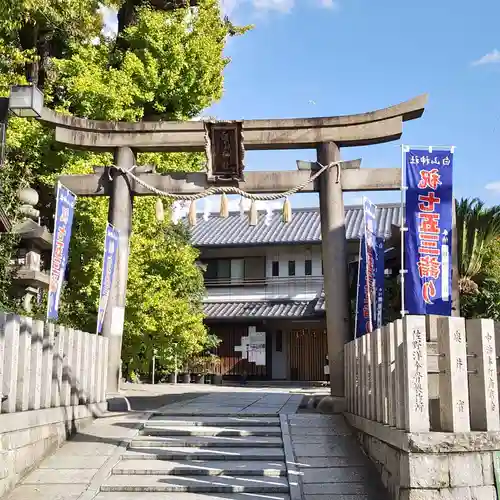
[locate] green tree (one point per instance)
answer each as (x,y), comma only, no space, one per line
(477,227)
(165,62)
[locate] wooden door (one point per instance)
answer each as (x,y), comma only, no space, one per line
(307,354)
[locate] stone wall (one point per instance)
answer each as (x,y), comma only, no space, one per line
(52,383)
(431,466)
(28,437)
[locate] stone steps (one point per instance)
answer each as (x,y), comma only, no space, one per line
(201,468)
(205,442)
(201,431)
(193,453)
(194,496)
(211,421)
(191,484)
(200,458)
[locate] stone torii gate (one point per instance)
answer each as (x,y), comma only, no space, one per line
(327,135)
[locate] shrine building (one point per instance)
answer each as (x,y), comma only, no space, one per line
(264,288)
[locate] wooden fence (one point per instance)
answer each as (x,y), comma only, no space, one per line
(44,366)
(426,373)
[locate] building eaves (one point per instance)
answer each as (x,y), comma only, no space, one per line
(259,309)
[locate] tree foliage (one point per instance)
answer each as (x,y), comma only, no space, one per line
(477,227)
(164,63)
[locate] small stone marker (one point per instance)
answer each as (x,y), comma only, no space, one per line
(483,385)
(453,377)
(390,367)
(415,375)
(47,364)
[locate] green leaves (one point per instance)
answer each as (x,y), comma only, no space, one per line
(162,65)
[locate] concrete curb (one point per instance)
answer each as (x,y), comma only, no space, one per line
(104,472)
(293,472)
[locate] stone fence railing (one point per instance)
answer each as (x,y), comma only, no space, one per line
(46,366)
(425,374)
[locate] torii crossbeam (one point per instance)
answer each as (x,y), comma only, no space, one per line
(327,135)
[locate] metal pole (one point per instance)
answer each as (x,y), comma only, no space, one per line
(120,216)
(175,368)
(402,269)
(335,264)
(154,363)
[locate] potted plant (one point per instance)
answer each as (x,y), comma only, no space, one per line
(197,370)
(215,370)
(184,377)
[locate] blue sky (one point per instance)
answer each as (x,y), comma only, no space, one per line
(325,58)
(330,57)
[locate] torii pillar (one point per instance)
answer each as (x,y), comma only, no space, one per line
(334,252)
(327,135)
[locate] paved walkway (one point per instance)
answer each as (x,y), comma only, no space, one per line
(232,443)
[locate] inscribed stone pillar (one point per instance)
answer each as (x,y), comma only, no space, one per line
(453,377)
(483,385)
(120,216)
(334,264)
(415,375)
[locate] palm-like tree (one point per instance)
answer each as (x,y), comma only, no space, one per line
(477,227)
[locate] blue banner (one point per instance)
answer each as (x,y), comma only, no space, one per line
(362,322)
(65,208)
(108,271)
(362,311)
(429,215)
(370,290)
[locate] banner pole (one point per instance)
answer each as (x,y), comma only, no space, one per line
(402,269)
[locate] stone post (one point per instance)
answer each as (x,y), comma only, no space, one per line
(334,264)
(416,408)
(483,388)
(10,329)
(35,392)
(47,364)
(24,366)
(120,216)
(453,377)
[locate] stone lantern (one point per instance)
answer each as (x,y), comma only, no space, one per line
(33,250)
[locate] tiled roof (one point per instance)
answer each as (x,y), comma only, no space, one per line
(263,309)
(304,227)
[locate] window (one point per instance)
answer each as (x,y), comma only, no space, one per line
(308,268)
(275,268)
(291,268)
(255,269)
(218,269)
(279,341)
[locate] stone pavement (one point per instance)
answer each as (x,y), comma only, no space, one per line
(328,459)
(232,443)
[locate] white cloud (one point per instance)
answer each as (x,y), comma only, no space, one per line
(492,57)
(277,5)
(493,186)
(328,4)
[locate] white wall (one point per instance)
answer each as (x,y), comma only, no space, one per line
(298,287)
